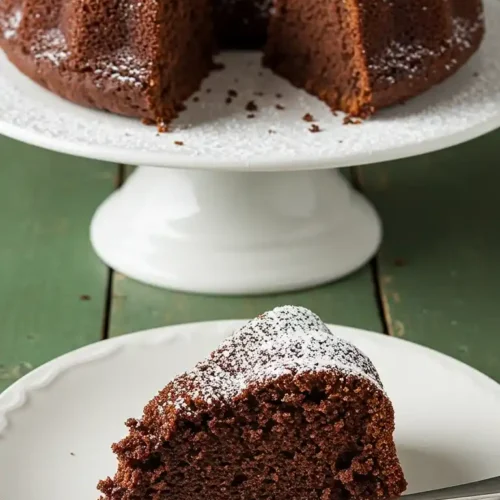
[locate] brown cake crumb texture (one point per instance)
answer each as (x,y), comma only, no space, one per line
(283,409)
(350,120)
(163,127)
(145,59)
(251,106)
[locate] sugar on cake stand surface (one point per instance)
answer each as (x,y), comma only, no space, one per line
(248,205)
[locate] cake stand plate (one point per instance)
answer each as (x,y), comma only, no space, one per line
(58,422)
(249,201)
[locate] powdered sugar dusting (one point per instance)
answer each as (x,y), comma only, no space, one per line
(124,67)
(120,65)
(288,340)
(10,24)
(51,45)
(411,59)
(464,30)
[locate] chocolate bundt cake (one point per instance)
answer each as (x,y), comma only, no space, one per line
(283,409)
(145,58)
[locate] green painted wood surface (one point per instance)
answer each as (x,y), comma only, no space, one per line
(439,268)
(437,271)
(138,307)
(52,286)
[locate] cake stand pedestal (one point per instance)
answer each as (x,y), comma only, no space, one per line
(239,202)
(235,232)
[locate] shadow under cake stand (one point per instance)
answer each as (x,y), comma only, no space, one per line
(238,200)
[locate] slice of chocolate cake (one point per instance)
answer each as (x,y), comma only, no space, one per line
(283,409)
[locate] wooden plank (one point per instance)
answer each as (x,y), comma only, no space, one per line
(438,269)
(135,307)
(52,285)
(139,307)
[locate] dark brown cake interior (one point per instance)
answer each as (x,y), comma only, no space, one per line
(315,45)
(241,24)
(322,436)
(182,25)
(322,56)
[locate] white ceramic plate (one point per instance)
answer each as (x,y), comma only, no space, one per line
(217,135)
(57,423)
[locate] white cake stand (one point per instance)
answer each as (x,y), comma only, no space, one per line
(249,205)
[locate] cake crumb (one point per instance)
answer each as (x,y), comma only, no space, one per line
(163,127)
(350,120)
(251,115)
(308,118)
(72,454)
(259,94)
(314,129)
(196,99)
(208,91)
(279,96)
(280,107)
(178,143)
(251,106)
(271,131)
(85,297)
(228,100)
(232,93)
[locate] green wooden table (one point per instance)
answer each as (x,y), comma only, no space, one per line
(435,281)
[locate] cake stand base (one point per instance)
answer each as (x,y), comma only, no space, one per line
(233,232)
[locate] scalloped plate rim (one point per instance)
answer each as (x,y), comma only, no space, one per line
(14,397)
